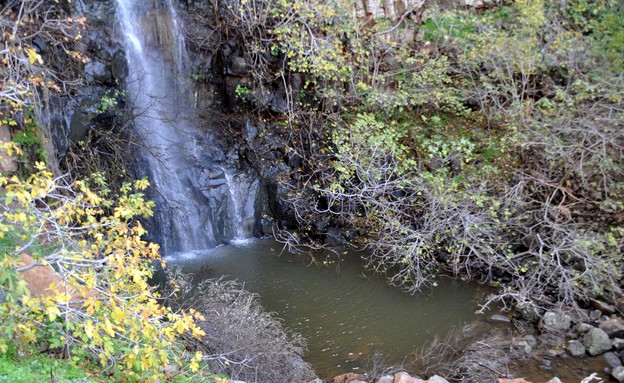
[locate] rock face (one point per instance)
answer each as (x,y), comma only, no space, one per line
(71,117)
(597,342)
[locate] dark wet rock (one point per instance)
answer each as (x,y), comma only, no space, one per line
(618,343)
(529,312)
(279,102)
(620,306)
(98,72)
(335,236)
(321,225)
(612,359)
(618,374)
(603,307)
(576,349)
(225,50)
(250,131)
(84,118)
(238,66)
(294,160)
(265,226)
(583,328)
(553,321)
(597,342)
(613,327)
(594,315)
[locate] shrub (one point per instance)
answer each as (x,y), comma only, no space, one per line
(241,339)
(103,309)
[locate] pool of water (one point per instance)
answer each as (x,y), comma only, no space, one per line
(345,313)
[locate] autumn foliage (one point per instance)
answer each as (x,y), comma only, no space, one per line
(90,237)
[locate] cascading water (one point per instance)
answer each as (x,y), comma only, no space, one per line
(241,204)
(195,208)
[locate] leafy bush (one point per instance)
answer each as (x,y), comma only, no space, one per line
(102,307)
(485,151)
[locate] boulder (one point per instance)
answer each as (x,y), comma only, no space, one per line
(518,380)
(404,377)
(555,321)
(583,328)
(438,379)
(522,344)
(597,342)
(603,307)
(612,359)
(617,343)
(348,378)
(385,379)
(554,352)
(618,374)
(171,370)
(238,66)
(594,315)
(97,72)
(531,340)
(576,349)
(529,312)
(613,327)
(552,340)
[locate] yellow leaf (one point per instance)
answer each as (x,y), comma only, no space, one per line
(108,327)
(118,314)
(53,312)
(194,366)
(179,326)
(33,56)
(89,328)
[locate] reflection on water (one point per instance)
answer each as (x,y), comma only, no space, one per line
(345,314)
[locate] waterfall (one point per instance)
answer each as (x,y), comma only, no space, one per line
(195,208)
(241,205)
